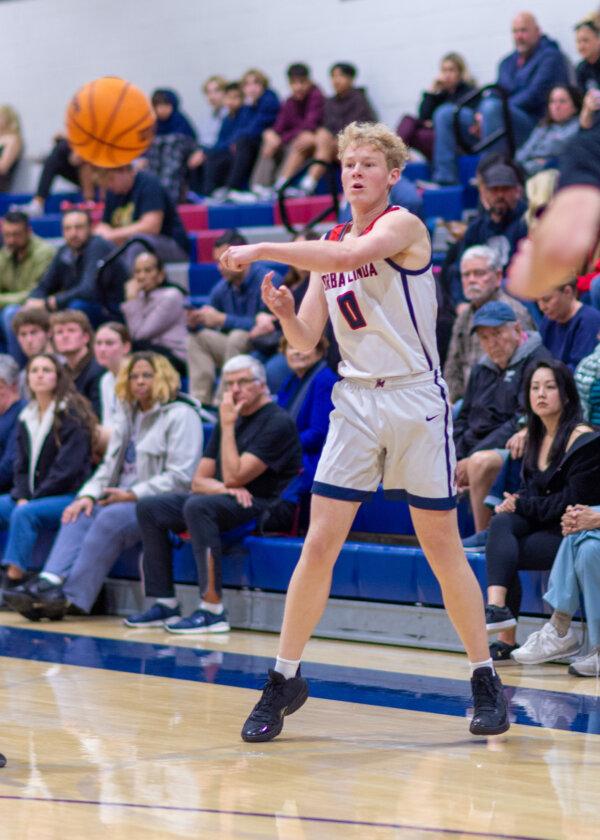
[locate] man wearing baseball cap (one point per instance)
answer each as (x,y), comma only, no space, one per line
(493,401)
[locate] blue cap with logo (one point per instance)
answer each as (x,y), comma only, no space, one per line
(494,313)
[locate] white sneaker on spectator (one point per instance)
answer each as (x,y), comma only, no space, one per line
(263,193)
(545,645)
(241,197)
(32,208)
(587,666)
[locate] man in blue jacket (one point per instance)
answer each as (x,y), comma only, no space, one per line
(221,328)
(527,75)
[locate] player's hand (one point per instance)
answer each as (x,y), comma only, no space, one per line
(279,301)
(237,257)
(241,495)
(71,512)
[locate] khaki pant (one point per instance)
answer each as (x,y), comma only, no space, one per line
(208,350)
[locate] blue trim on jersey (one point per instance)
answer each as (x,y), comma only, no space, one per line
(446,435)
(422,502)
(403,270)
(344,494)
(413,317)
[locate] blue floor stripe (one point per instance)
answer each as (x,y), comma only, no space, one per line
(436,695)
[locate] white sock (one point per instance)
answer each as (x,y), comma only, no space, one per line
(308,184)
(215,609)
(170,603)
(51,578)
(287,667)
(487,663)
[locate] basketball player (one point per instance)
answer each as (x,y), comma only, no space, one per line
(391,423)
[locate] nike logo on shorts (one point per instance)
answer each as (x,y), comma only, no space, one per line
(433,416)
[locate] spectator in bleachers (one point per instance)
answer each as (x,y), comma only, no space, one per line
(306,396)
(11,406)
(548,139)
(348,104)
(24,257)
(291,139)
(573,579)
(137,205)
(154,449)
(261,105)
(527,75)
(70,280)
(72,338)
(587,39)
(11,145)
(499,223)
(32,334)
(493,402)
(561,468)
(64,162)
(53,458)
(569,328)
(221,329)
(587,379)
(155,313)
(481,275)
(112,343)
(219,158)
(252,455)
(173,143)
(430,132)
(214,91)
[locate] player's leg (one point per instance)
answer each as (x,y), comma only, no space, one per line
(285,690)
(437,532)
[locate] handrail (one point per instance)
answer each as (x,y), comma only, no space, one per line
(481,145)
(331,173)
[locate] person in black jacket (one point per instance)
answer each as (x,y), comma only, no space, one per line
(70,280)
(561,467)
(493,402)
(53,459)
(73,337)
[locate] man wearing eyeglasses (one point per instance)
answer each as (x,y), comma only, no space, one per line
(251,456)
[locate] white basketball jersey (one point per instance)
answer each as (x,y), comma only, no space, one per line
(383,316)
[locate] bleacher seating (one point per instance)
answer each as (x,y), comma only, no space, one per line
(392,573)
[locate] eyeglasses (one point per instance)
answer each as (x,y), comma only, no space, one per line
(140,376)
(227,386)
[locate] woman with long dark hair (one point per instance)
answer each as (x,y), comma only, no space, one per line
(53,459)
(561,467)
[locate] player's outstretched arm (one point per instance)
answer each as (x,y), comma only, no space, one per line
(391,235)
(304,330)
(559,245)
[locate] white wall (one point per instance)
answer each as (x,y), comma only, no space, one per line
(51,47)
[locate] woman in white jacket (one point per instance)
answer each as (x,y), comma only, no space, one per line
(154,448)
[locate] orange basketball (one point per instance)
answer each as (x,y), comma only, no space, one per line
(109,122)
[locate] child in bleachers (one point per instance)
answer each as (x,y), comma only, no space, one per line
(561,468)
(154,449)
(173,144)
(53,458)
(72,338)
(155,312)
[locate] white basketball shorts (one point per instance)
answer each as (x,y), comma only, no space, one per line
(396,432)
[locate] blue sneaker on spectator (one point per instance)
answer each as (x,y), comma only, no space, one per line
(201,621)
(156,616)
(476,542)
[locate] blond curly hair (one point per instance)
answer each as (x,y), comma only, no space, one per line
(165,386)
(377,135)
